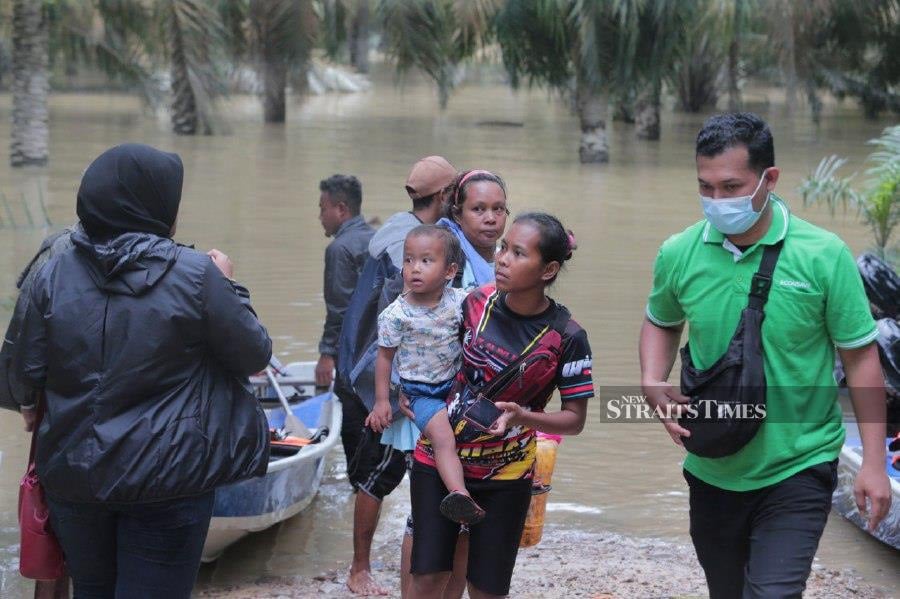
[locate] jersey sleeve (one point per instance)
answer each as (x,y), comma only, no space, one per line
(390,326)
(663,308)
(574,377)
(847,314)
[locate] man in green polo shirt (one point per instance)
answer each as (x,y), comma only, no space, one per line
(756,515)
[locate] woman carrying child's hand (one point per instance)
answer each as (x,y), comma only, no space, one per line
(380,417)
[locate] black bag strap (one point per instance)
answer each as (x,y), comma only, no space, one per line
(761,283)
(560,321)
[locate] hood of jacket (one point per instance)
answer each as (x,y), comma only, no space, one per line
(391,235)
(130,264)
(130,188)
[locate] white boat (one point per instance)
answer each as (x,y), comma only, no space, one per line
(888,531)
(291,481)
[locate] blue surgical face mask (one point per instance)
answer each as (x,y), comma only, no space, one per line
(733,216)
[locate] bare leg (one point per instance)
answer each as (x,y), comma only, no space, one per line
(52,589)
(457,583)
(405,564)
(365,519)
(440,434)
(428,586)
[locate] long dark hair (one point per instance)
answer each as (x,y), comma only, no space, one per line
(457,190)
(556,242)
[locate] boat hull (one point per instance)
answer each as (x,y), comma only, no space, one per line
(257,504)
(290,483)
(843,501)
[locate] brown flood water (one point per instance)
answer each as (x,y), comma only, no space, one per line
(254,195)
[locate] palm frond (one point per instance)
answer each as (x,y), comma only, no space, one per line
(334,16)
(881,210)
(823,186)
(233,15)
(425,34)
(195,36)
(282,29)
(474,23)
(887,158)
(114,36)
(536,38)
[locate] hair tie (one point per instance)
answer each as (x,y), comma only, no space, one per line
(573,245)
(465,178)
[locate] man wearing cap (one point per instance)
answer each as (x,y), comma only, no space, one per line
(425,186)
(374,469)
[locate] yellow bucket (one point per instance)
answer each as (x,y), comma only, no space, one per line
(543,474)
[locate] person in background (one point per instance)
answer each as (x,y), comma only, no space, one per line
(476,213)
(134,347)
(426,185)
(756,516)
(340,201)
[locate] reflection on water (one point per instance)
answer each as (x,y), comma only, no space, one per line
(254,195)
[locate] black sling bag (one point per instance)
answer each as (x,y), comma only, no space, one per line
(728,399)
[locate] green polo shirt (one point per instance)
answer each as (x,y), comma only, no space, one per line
(816,302)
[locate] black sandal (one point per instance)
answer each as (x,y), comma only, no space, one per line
(461,508)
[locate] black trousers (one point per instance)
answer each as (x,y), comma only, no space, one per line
(140,551)
(493,542)
(760,543)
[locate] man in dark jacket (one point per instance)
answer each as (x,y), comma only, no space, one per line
(340,202)
(137,347)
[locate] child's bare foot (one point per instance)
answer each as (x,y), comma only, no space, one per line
(362,583)
(460,507)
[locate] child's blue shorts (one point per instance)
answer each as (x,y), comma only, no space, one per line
(426,399)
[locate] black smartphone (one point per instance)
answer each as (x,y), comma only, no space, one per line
(482,413)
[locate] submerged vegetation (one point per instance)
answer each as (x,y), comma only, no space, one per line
(626,54)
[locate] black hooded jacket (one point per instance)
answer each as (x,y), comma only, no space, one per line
(142,347)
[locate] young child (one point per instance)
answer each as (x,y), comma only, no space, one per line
(422,328)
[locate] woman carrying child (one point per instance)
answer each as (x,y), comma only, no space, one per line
(513,333)
(421,327)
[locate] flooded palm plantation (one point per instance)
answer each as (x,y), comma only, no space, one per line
(254,194)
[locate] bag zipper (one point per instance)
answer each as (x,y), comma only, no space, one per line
(521,374)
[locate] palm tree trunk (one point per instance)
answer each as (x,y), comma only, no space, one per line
(625,109)
(592,110)
(734,52)
(789,55)
(646,112)
(815,103)
(184,104)
(274,84)
(734,93)
(359,38)
(444,80)
(30,86)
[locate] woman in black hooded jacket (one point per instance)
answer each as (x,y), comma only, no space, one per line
(138,348)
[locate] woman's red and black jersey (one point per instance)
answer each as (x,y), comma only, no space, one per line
(493,336)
